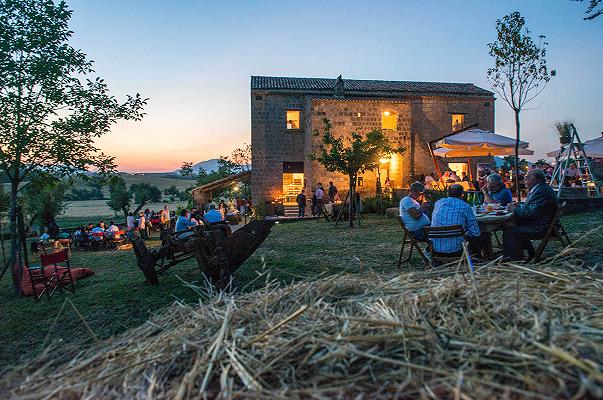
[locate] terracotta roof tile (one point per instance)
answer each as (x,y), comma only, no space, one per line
(321,85)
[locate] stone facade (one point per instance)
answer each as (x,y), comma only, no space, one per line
(421,117)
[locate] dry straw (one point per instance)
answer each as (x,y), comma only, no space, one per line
(506,331)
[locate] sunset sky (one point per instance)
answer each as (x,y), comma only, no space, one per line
(194,59)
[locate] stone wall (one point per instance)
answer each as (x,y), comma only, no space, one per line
(420,119)
(272,143)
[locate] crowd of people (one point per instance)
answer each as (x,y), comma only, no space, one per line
(532,218)
(321,199)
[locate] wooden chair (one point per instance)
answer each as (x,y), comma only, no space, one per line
(409,238)
(554,232)
(60,278)
(443,232)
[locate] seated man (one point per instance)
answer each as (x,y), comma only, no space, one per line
(412,213)
(532,218)
(495,191)
(97,233)
(454,211)
(213,215)
(183,222)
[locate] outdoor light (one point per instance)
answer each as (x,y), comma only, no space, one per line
(386,113)
(383,160)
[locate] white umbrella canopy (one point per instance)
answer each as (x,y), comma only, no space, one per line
(478,138)
(480,151)
(593,148)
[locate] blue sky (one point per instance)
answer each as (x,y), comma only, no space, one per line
(193,59)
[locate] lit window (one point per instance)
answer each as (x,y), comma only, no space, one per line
(458,122)
(293,119)
(360,181)
(389,120)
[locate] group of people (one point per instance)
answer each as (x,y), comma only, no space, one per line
(147,219)
(320,197)
(91,234)
(532,218)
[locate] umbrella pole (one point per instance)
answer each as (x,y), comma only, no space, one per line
(435,163)
(470,170)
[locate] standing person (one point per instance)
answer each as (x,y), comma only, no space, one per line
(414,215)
(320,194)
(130,221)
(142,226)
(313,202)
(301,203)
(532,218)
(165,217)
(222,209)
(332,192)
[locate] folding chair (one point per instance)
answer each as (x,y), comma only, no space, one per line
(444,232)
(60,278)
(409,238)
(554,232)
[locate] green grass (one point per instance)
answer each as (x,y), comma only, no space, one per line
(116,298)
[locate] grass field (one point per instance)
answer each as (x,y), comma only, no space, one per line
(116,298)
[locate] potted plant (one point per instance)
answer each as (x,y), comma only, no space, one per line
(564,128)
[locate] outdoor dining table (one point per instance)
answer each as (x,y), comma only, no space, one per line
(490,222)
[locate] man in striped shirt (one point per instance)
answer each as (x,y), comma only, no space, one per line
(454,211)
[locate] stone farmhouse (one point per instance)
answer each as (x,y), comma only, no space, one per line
(285,112)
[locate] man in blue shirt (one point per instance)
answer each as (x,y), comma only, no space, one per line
(213,215)
(495,191)
(412,213)
(454,211)
(183,222)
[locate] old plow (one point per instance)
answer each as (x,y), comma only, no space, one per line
(218,251)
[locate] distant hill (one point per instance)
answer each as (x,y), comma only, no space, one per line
(207,165)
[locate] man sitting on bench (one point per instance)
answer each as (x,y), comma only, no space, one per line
(412,213)
(532,218)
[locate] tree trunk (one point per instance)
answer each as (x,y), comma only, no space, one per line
(15,243)
(352,199)
(517,155)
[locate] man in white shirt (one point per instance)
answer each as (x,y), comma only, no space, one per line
(165,216)
(412,213)
(142,226)
(320,194)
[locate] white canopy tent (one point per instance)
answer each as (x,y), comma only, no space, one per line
(593,148)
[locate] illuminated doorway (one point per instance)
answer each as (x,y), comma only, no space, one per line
(459,168)
(293,181)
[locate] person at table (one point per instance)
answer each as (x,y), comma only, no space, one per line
(213,215)
(412,213)
(532,218)
(464,177)
(455,177)
(301,203)
(454,211)
(183,222)
(112,229)
(97,233)
(430,180)
(495,192)
(572,174)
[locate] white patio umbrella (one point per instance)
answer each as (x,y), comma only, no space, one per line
(476,143)
(480,151)
(593,148)
(482,140)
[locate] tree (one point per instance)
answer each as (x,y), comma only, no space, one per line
(520,72)
(593,10)
(361,154)
(509,162)
(52,108)
(120,198)
(44,199)
(186,169)
(145,193)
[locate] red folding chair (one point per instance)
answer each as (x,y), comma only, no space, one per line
(60,279)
